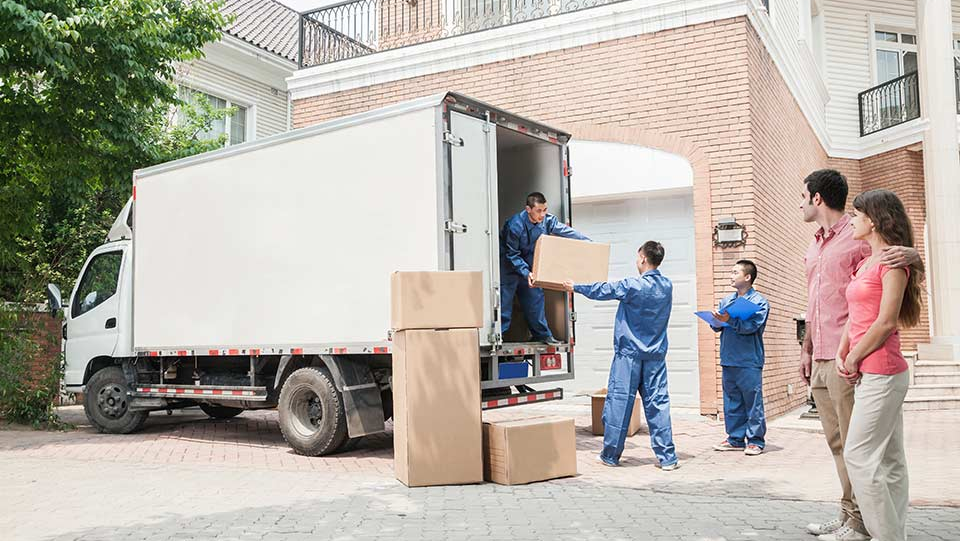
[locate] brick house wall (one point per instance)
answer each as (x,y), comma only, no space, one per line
(785,151)
(696,86)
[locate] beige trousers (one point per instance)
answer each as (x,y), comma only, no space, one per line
(834,399)
(875,456)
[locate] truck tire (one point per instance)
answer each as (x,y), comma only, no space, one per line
(312,418)
(106,402)
(217,411)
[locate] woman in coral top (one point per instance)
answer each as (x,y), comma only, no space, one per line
(880,298)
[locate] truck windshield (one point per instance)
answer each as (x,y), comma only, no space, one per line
(98,284)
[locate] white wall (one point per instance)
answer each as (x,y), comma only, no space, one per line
(848,57)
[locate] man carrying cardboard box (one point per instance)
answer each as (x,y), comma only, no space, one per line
(517,240)
(639,361)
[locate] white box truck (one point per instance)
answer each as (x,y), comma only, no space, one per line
(258,276)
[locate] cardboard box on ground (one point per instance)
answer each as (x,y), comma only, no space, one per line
(529,450)
(436,300)
(436,407)
(557,259)
(597,401)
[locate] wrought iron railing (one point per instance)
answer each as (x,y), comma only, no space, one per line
(891,103)
(895,102)
(361,27)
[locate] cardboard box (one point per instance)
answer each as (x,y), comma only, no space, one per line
(518,452)
(556,259)
(436,300)
(437,429)
(555,307)
(599,398)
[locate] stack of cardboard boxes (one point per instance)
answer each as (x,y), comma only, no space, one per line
(438,436)
(436,377)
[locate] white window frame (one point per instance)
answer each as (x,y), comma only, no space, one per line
(232,98)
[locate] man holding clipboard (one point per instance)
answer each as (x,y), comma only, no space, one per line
(740,319)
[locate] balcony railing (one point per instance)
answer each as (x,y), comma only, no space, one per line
(891,103)
(362,27)
(895,102)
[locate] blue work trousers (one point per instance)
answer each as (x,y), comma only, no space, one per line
(743,414)
(627,376)
(531,301)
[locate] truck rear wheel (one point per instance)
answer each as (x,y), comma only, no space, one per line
(220,412)
(312,418)
(107,403)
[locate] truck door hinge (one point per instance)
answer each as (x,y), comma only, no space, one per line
(454,227)
(452,139)
(573,316)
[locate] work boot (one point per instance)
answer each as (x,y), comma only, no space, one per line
(725,445)
(844,533)
(753,450)
(551,341)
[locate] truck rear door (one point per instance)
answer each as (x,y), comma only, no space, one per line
(471,227)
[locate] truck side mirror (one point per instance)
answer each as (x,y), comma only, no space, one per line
(54,300)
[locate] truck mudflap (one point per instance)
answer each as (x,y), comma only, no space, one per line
(361,395)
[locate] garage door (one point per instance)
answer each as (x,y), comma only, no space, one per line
(626,223)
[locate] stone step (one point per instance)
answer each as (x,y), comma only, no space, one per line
(938,352)
(934,389)
(936,366)
(921,378)
(931,403)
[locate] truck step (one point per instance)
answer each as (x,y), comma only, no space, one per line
(220,392)
(522,398)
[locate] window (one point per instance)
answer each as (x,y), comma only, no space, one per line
(234,126)
(896,54)
(98,284)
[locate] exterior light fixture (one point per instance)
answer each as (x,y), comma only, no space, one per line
(728,233)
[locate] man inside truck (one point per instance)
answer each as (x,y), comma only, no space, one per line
(517,240)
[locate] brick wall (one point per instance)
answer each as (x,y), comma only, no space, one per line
(901,171)
(785,151)
(691,85)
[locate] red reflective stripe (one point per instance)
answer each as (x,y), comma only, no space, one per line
(512,401)
(339,350)
(217,391)
(182,353)
(254,352)
(297,351)
(233,352)
(213,352)
(551,349)
(522,128)
(134,192)
(381,350)
(518,351)
(153,353)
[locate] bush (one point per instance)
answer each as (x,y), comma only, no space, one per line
(29,376)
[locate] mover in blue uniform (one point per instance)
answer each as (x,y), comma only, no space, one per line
(517,240)
(639,361)
(741,360)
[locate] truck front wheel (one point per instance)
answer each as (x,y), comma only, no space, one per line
(312,417)
(106,401)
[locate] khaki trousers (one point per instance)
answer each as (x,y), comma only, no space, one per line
(875,456)
(834,398)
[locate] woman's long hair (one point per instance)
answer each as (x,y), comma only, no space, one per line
(892,224)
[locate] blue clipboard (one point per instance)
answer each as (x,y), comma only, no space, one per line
(742,309)
(707,316)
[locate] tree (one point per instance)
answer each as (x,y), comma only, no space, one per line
(86,94)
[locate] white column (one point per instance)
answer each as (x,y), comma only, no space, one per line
(941,171)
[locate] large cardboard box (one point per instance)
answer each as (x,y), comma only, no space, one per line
(518,452)
(597,401)
(436,407)
(436,300)
(556,259)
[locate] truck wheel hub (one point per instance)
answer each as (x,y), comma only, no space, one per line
(112,401)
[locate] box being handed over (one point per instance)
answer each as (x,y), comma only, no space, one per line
(557,259)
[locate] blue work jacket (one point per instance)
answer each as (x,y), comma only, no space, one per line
(741,343)
(519,236)
(640,329)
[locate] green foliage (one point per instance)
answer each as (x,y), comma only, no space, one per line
(87,95)
(29,384)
